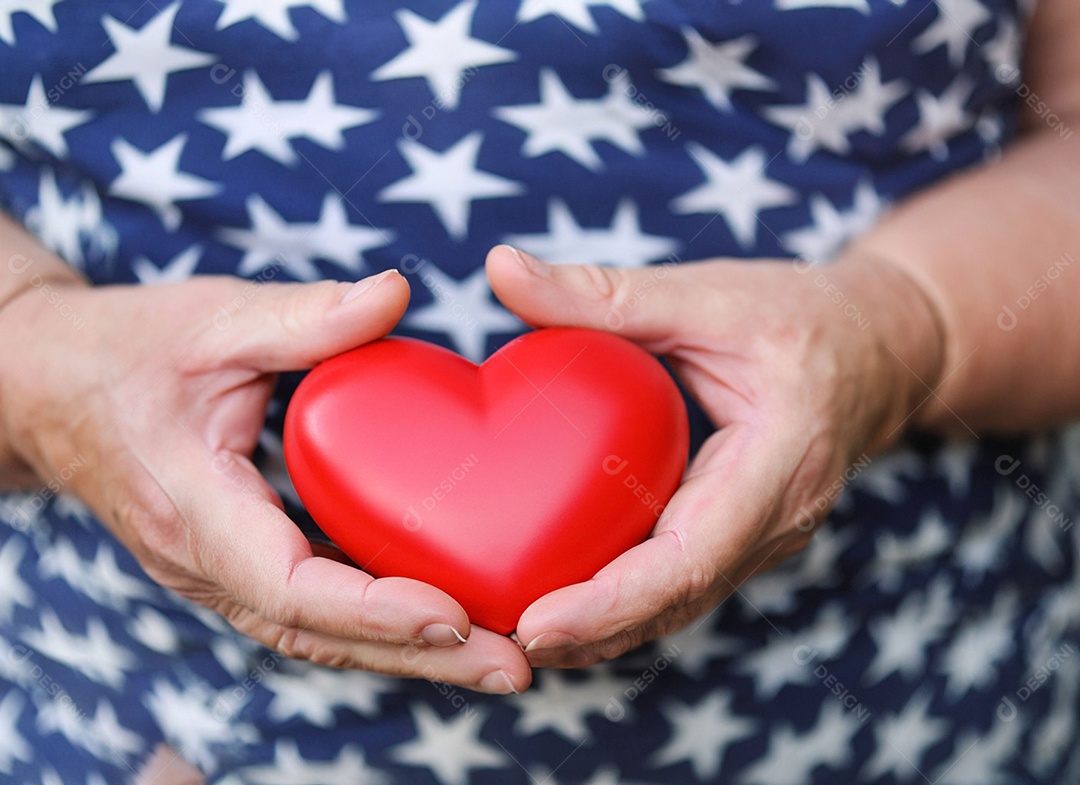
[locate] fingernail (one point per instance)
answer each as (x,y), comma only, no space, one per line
(441,635)
(551,640)
(532,265)
(366,285)
(497,683)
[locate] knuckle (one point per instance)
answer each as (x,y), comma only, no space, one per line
(293,314)
(294,643)
(285,612)
(618,644)
(603,280)
(698,582)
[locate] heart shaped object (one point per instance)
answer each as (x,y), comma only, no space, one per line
(496,483)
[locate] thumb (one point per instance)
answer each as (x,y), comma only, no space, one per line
(289,327)
(644,304)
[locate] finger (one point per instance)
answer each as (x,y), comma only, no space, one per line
(241,542)
(700,551)
(488,662)
(288,327)
(645,304)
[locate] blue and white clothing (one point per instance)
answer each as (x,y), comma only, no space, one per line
(930,631)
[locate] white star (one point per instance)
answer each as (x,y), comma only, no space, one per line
(697,647)
(955,463)
(605,775)
(20,511)
(155,179)
(1004,51)
(261,123)
(780,662)
(441,52)
(623,244)
(449,748)
(859,5)
(895,556)
(274,14)
(884,477)
(830,632)
(701,734)
(830,229)
(775,591)
(956,21)
(189,722)
(903,739)
(101,580)
(64,224)
(716,69)
(113,586)
(1042,538)
(335,239)
(816,124)
(271,241)
(103,736)
(154,630)
(902,639)
(1058,731)
(982,758)
(234,657)
(464,310)
(738,190)
(793,756)
(561,705)
(449,181)
(972,656)
(146,56)
(13,744)
(313,692)
(13,670)
(41,10)
(13,589)
(984,542)
(290,767)
(828,117)
(571,126)
(179,268)
(867,105)
(96,655)
(774,666)
(40,120)
(576,12)
(75,511)
(940,118)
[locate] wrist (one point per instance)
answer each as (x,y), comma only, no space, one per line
(25,280)
(908,341)
(17,299)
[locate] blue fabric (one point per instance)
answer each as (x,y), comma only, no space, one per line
(929,631)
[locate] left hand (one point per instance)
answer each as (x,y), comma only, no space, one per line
(799,379)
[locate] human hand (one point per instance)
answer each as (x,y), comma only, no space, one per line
(162,393)
(799,384)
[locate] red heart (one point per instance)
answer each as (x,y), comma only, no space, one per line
(496,483)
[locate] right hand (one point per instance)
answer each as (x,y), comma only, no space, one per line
(164,404)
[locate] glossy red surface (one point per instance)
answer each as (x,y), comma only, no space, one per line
(497,483)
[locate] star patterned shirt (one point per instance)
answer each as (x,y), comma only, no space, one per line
(930,631)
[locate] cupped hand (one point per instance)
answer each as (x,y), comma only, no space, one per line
(161,391)
(802,369)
